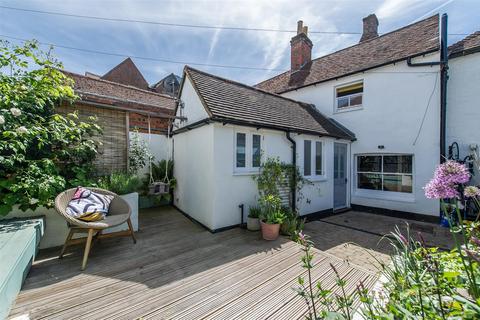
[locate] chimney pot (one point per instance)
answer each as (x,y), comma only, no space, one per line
(370,27)
(299,26)
(305,30)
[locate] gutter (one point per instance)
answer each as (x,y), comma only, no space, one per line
(443,63)
(294,163)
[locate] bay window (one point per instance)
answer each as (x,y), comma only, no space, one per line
(385,172)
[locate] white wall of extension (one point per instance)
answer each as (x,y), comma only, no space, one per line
(158,146)
(463,108)
(400,111)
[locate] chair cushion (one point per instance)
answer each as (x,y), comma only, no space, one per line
(87,205)
(109,221)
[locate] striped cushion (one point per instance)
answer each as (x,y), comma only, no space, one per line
(87,205)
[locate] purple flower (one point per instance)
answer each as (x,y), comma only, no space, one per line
(475,240)
(452,172)
(439,189)
(471,192)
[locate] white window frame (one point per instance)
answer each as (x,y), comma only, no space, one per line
(381,194)
(313,144)
(248,169)
(349,108)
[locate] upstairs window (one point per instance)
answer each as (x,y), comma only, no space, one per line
(312,158)
(392,173)
(349,96)
(248,152)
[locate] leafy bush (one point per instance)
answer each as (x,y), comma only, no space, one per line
(41,152)
(292,223)
(254,212)
(270,209)
(139,154)
(120,183)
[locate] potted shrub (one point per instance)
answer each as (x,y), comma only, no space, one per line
(271,216)
(253,219)
(126,186)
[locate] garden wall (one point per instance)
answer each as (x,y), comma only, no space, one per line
(112,155)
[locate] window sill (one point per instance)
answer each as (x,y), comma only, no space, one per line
(316,178)
(348,109)
(385,195)
(246,172)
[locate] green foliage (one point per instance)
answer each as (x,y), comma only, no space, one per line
(275,174)
(292,224)
(138,155)
(271,209)
(41,152)
(254,212)
(158,174)
(120,183)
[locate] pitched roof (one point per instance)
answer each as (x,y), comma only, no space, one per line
(239,103)
(410,41)
(117,94)
(127,73)
(467,45)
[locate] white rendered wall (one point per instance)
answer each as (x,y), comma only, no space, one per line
(395,101)
(193,107)
(233,189)
(157,146)
(463,107)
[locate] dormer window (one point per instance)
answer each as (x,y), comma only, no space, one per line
(349,96)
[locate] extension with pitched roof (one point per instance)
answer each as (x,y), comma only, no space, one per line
(232,102)
(411,41)
(467,45)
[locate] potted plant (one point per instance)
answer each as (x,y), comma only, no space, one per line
(271,216)
(126,186)
(253,219)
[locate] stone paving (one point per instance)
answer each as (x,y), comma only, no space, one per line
(358,237)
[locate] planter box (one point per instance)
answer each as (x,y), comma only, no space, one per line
(145,202)
(56,229)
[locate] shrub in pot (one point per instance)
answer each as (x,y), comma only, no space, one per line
(292,223)
(126,186)
(253,219)
(271,216)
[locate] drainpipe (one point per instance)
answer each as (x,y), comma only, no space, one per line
(294,163)
(443,63)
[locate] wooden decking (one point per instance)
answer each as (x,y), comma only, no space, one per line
(177,270)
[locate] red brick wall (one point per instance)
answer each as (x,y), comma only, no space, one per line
(301,51)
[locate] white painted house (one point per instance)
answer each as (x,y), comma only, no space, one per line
(392,108)
(463,106)
(230,127)
(380,107)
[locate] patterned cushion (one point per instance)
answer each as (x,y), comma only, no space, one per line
(87,205)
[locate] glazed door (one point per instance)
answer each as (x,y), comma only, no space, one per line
(340,176)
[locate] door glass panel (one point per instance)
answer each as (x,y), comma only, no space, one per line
(240,152)
(318,158)
(371,181)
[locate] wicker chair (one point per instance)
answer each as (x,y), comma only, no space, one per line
(119,213)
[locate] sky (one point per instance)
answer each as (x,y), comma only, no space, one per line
(257,49)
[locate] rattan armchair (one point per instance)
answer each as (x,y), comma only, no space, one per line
(119,212)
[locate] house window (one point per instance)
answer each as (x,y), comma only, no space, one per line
(241,150)
(256,150)
(248,151)
(312,158)
(349,96)
(392,173)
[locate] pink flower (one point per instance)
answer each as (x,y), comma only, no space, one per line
(452,172)
(471,192)
(438,189)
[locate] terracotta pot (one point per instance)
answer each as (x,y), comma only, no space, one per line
(253,224)
(270,231)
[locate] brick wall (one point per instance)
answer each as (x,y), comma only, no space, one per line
(112,155)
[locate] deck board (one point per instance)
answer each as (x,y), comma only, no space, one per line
(177,270)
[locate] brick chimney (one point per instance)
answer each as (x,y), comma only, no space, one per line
(301,48)
(370,27)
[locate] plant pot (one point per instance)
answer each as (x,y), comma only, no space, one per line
(270,231)
(253,224)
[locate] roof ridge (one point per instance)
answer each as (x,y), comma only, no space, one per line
(118,84)
(350,47)
(187,67)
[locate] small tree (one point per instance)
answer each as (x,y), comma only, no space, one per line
(139,154)
(41,152)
